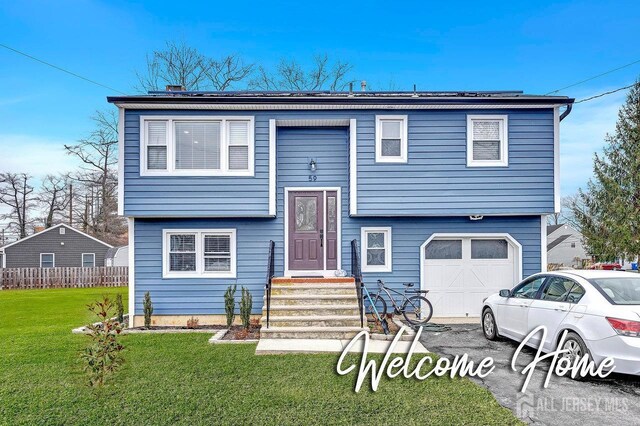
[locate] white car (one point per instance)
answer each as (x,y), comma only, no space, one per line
(600,310)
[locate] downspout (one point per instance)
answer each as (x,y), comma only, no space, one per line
(566,111)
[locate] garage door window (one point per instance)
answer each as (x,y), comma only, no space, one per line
(444,249)
(489,249)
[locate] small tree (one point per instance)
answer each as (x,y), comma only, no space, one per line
(246,303)
(230,304)
(103,355)
(120,308)
(148,309)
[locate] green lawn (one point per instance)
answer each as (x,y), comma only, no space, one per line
(181,379)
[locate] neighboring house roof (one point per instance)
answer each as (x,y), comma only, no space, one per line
(557,241)
(51,229)
(553,228)
(111,253)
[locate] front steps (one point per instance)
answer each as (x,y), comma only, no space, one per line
(312,308)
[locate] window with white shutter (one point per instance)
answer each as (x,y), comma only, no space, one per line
(391,139)
(487,142)
(197,146)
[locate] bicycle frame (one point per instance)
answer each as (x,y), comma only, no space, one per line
(383,288)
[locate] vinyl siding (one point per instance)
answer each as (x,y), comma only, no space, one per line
(26,254)
(329,147)
(435,180)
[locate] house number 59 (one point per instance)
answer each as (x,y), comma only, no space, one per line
(313,178)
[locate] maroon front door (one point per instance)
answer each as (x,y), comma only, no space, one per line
(306,230)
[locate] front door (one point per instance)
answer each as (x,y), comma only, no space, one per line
(312,228)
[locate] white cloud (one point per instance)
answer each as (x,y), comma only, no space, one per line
(582,134)
(35,155)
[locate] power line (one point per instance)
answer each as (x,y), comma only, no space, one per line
(605,93)
(596,76)
(61,69)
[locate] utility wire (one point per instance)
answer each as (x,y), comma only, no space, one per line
(61,69)
(604,94)
(595,76)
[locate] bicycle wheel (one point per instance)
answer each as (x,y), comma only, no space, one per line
(417,310)
(381,307)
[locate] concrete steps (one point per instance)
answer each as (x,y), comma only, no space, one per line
(312,308)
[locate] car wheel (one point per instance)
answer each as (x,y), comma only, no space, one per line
(489,327)
(576,348)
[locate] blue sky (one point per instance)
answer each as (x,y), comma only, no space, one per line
(533,46)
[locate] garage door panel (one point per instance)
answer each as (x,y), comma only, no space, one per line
(447,304)
(446,276)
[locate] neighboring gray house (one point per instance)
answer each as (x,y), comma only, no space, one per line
(117,256)
(564,246)
(60,245)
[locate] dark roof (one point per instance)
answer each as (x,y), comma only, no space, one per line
(355,97)
(557,241)
(552,228)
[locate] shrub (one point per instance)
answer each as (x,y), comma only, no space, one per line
(103,355)
(246,302)
(193,322)
(148,309)
(230,304)
(119,308)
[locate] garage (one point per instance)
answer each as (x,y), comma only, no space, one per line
(461,270)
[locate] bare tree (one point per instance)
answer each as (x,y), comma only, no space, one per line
(17,193)
(53,197)
(291,75)
(98,178)
(184,65)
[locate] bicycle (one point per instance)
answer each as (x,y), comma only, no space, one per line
(416,309)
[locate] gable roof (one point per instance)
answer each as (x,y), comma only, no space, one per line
(52,228)
(552,228)
(557,241)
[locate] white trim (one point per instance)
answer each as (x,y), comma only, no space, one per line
(388,243)
(132,269)
(54,259)
(543,243)
(4,259)
(94,260)
(353,167)
(200,235)
(288,107)
(313,122)
(504,141)
(556,160)
(404,139)
(52,228)
(120,189)
(324,190)
(477,235)
(224,146)
(272,167)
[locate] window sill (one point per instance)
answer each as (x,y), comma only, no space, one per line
(488,164)
(398,160)
(376,269)
(191,275)
(197,173)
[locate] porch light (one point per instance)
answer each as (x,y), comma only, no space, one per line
(313,166)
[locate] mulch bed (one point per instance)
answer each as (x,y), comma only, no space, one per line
(237,332)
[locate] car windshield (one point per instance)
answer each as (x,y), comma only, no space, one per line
(619,291)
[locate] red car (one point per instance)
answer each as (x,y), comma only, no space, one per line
(606,266)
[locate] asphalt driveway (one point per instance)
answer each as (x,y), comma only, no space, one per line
(614,400)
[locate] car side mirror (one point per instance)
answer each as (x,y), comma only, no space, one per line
(505,293)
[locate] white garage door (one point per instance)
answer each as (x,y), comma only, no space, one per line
(460,272)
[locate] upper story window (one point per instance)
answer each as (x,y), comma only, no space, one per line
(391,138)
(197,146)
(487,141)
(199,253)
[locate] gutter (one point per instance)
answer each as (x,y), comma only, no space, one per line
(566,111)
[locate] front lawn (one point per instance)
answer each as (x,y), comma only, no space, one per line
(181,379)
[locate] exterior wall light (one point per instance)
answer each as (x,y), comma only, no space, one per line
(313,166)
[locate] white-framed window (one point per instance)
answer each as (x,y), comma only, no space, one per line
(88,260)
(376,249)
(200,253)
(391,139)
(47,260)
(196,146)
(62,230)
(487,141)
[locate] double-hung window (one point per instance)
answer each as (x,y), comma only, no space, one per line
(487,141)
(197,146)
(376,249)
(47,260)
(199,253)
(88,260)
(391,139)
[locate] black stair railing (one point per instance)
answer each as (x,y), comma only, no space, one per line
(270,274)
(356,273)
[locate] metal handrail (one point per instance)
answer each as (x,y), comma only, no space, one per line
(356,273)
(270,274)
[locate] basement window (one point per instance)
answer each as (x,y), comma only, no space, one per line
(376,249)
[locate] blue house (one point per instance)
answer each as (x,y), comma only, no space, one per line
(446,190)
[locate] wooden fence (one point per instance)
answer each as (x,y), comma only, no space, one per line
(34,278)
